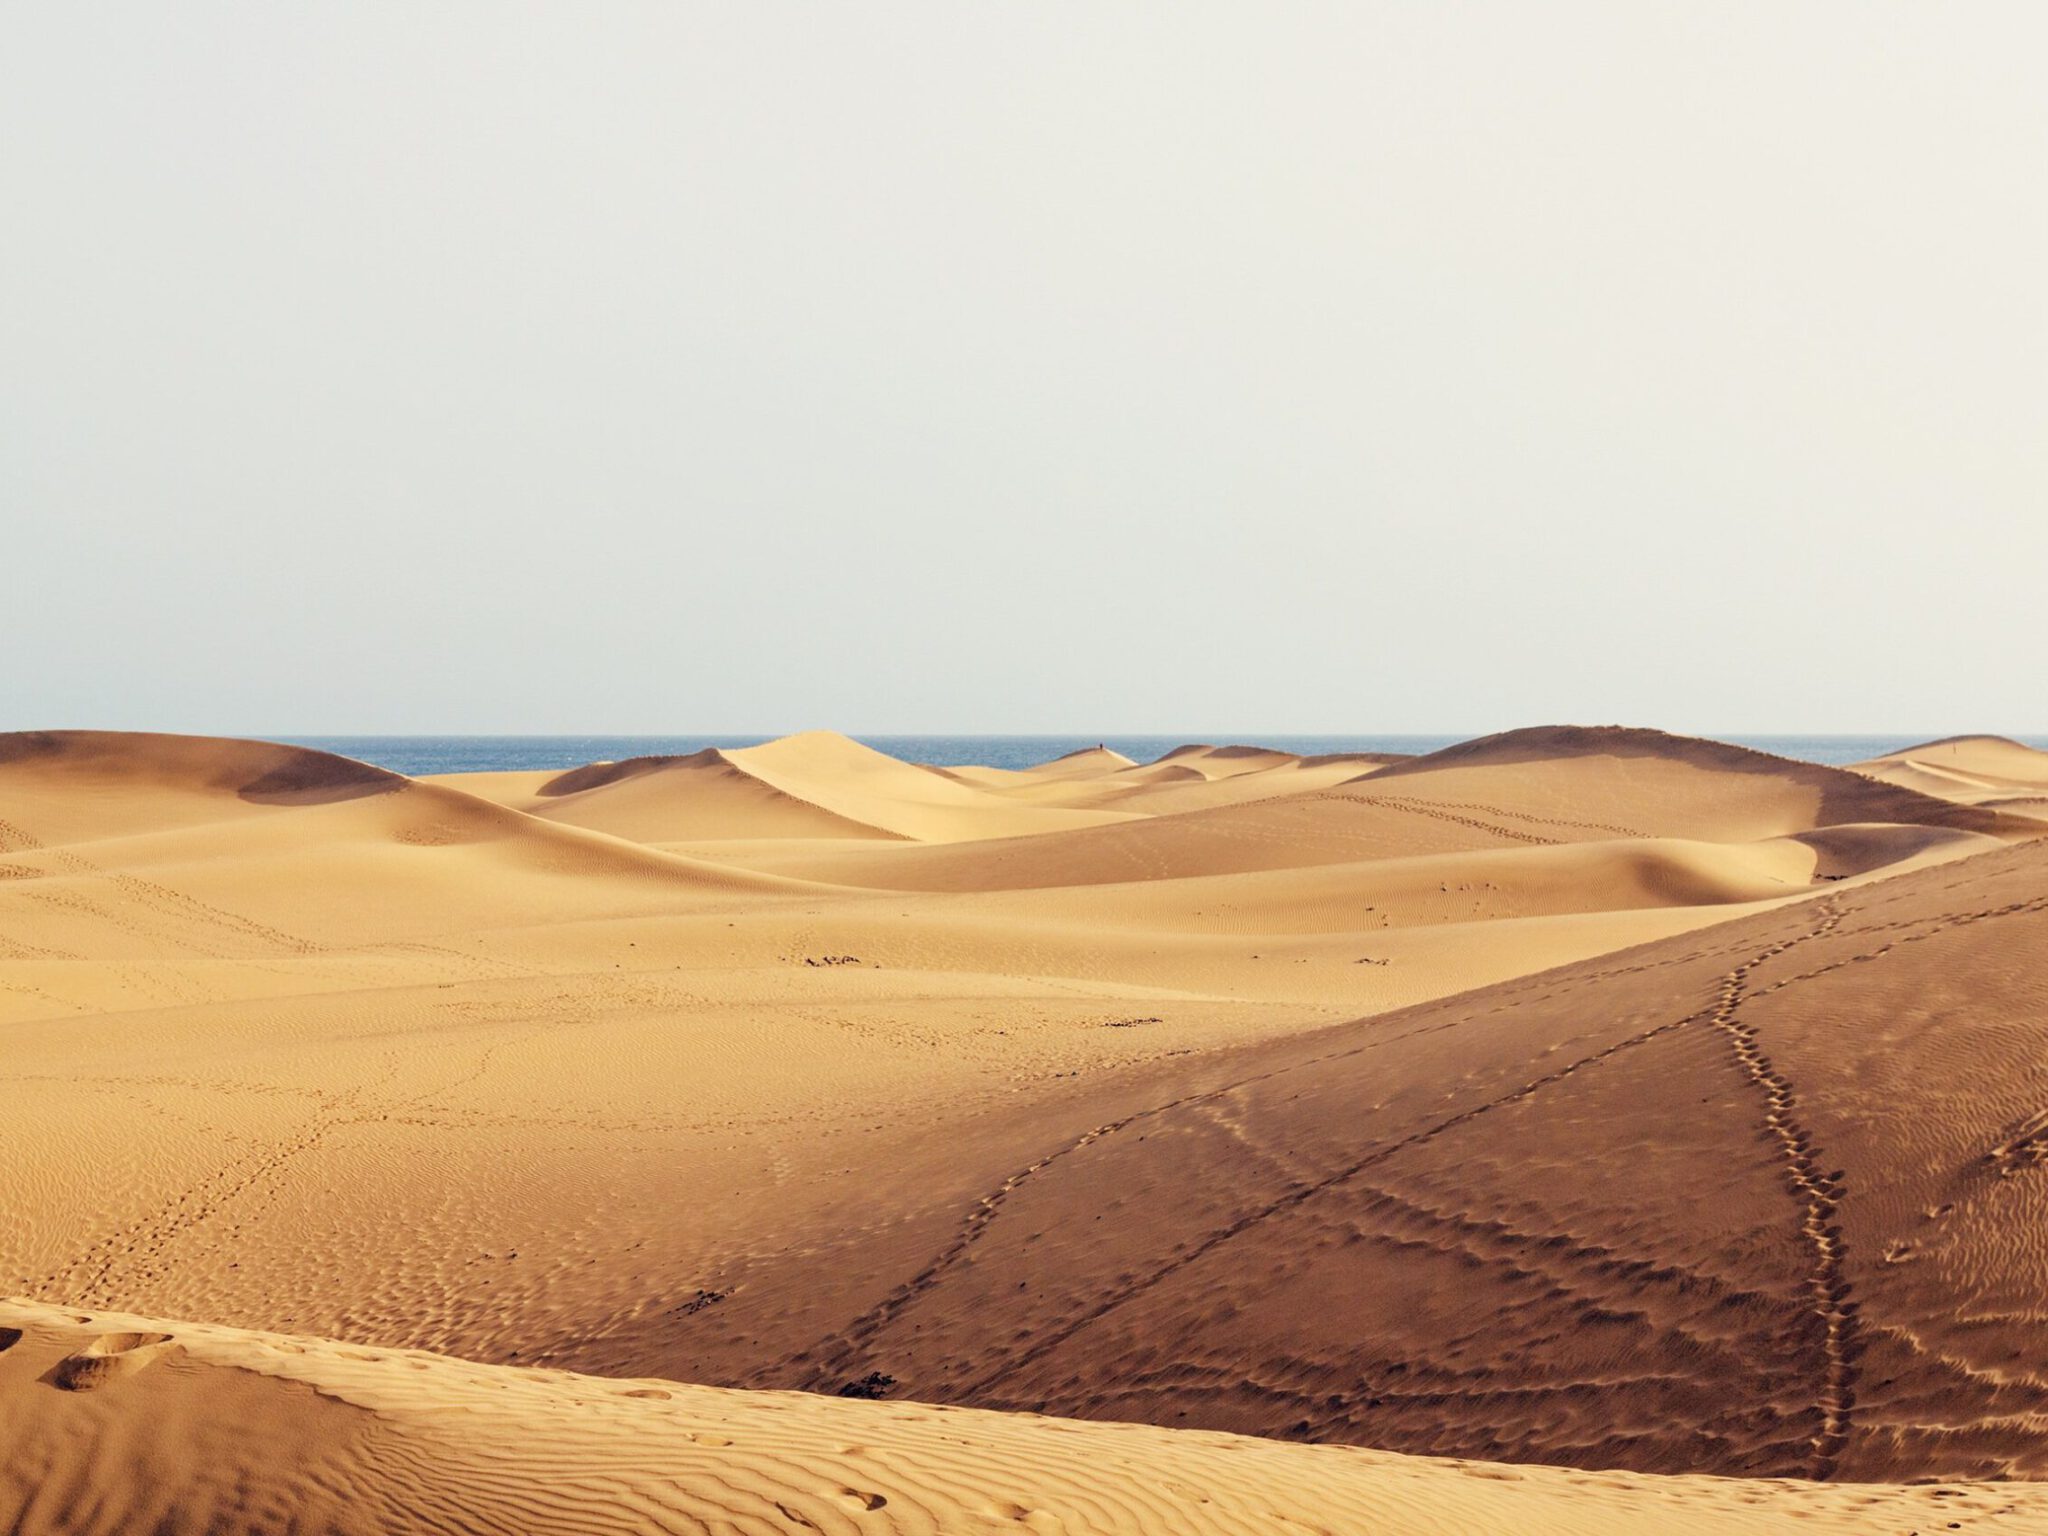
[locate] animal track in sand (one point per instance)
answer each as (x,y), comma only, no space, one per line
(1928,928)
(1423,808)
(1831,1304)
(1300,1196)
(830,1359)
(2024,1146)
(1820,1196)
(161,904)
(1405,802)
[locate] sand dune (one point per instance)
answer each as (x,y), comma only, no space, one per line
(85,785)
(665,799)
(1213,762)
(201,1427)
(864,785)
(1085,761)
(1525,789)
(1570,782)
(1991,772)
(1761,1200)
(793,1066)
(69,789)
(817,785)
(1188,778)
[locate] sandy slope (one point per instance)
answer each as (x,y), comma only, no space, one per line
(117,1424)
(816,785)
(1992,772)
(664,799)
(1765,1199)
(867,786)
(1571,781)
(689,1066)
(1526,789)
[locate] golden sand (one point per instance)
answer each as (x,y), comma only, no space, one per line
(1535,1127)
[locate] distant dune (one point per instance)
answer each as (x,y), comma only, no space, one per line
(1586,1097)
(706,795)
(1662,784)
(1086,760)
(1989,772)
(167,778)
(818,785)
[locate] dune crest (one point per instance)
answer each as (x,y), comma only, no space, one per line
(1992,773)
(703,795)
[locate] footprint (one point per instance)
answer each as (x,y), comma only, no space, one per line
(653,1392)
(111,1357)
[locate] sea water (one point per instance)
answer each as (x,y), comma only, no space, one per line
(477,754)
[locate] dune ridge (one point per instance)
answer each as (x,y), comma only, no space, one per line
(671,799)
(1991,773)
(1839,795)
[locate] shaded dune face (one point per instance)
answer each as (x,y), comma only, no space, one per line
(1707,1206)
(256,771)
(597,775)
(1599,1099)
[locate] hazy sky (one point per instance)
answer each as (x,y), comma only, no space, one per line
(894,367)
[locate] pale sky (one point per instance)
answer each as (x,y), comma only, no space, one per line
(670,367)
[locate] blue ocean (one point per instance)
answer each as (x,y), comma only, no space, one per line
(479,754)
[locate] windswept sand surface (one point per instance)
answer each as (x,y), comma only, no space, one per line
(1598,1098)
(116,1424)
(1988,771)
